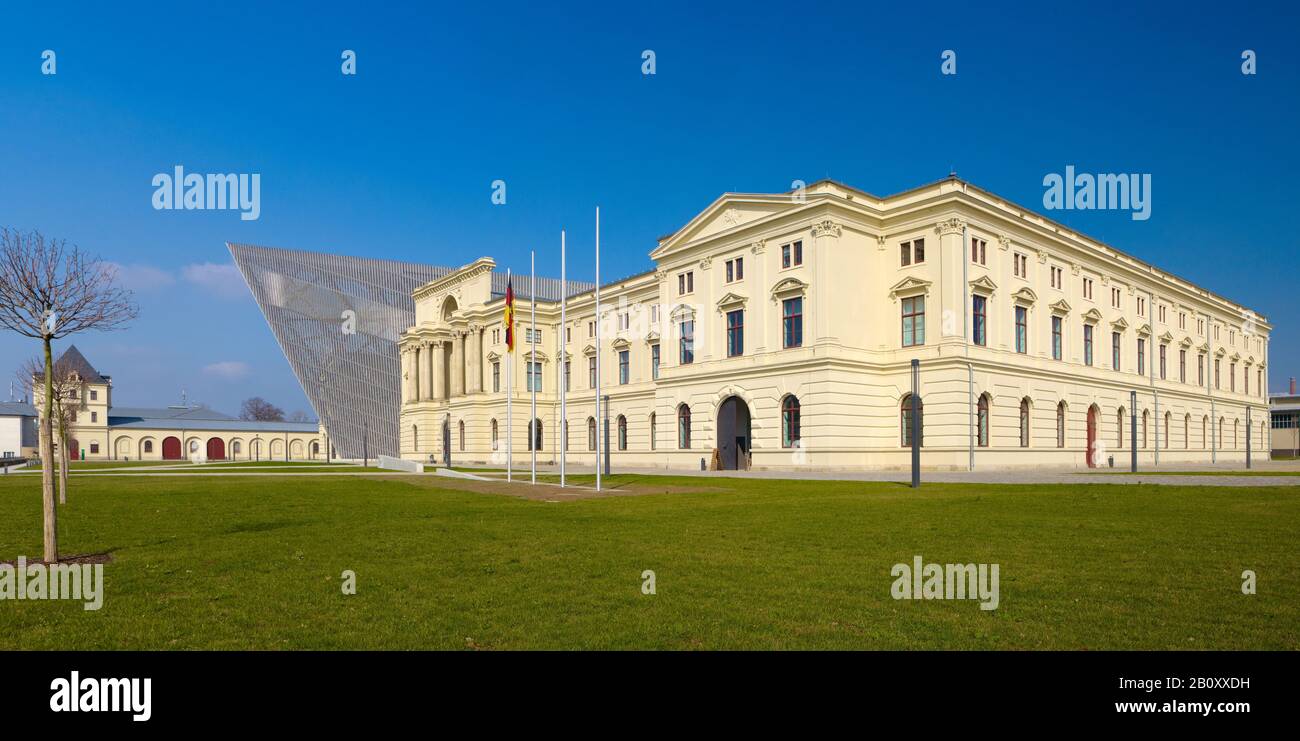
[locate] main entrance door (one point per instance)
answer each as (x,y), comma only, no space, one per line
(171,449)
(733,433)
(216,449)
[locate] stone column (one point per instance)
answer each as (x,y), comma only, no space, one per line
(458,364)
(408,383)
(436,353)
(426,373)
(474,369)
(825,237)
(946,316)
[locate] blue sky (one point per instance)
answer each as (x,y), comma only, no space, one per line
(398,161)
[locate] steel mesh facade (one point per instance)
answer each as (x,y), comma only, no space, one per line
(353,380)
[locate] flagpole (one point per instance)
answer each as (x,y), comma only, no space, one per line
(510,360)
(532,370)
(598,348)
(564,328)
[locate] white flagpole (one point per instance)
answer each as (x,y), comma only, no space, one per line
(510,360)
(599,350)
(564,328)
(532,370)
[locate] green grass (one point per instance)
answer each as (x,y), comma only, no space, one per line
(255,563)
(1199,473)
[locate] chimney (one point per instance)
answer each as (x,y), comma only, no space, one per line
(1293,385)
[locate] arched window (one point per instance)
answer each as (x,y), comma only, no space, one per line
(622,432)
(1024,422)
(1060,424)
(315,448)
(905,420)
(652,430)
(982,421)
(535,434)
(790,434)
(591,433)
(494,434)
(1119,428)
(148,446)
(236,447)
(683,426)
(460,429)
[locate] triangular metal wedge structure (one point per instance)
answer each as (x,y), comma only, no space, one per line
(338,319)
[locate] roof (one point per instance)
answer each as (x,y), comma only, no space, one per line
(228,425)
(126,414)
(73,360)
(16,409)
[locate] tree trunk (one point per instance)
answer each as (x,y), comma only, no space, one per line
(47,462)
(64,459)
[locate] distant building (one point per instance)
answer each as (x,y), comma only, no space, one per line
(1284,409)
(17,429)
(102,431)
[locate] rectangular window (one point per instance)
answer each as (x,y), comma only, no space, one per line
(591,329)
(1057,277)
(792,322)
(912,252)
(735,269)
(1087,344)
(1232,377)
(686,282)
(1114,350)
(1216,373)
(94,394)
(591,372)
(1200,370)
(654,362)
(568,334)
(792,254)
(496,377)
(1141,306)
(1142,357)
(94,448)
(905,254)
(1182,366)
(623,366)
(979,307)
(1022,329)
(735,333)
(1162,313)
(686,355)
(979,251)
(914,321)
(568,375)
(1087,288)
(94,416)
(1020,265)
(534,380)
(1163,347)
(1115,297)
(1057,323)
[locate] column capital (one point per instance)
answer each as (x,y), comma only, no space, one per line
(953,225)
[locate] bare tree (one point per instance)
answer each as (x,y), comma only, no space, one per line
(67,388)
(49,290)
(299,416)
(258,409)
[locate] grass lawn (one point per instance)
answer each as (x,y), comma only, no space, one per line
(255,563)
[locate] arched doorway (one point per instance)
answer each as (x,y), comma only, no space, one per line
(733,433)
(171,449)
(1093,414)
(216,449)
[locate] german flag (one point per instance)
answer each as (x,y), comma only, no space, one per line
(510,316)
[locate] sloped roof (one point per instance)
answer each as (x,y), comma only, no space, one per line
(16,409)
(126,414)
(73,360)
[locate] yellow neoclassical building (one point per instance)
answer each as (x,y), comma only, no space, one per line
(101,431)
(776,331)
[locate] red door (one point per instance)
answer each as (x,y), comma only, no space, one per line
(171,449)
(1092,437)
(216,449)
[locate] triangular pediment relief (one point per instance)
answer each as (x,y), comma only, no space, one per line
(729,212)
(1144,330)
(620,344)
(653,337)
(682,311)
(494,356)
(1092,315)
(731,299)
(591,350)
(1120,324)
(1221,352)
(535,355)
(1187,342)
(1166,336)
(983,284)
(1061,307)
(909,286)
(788,287)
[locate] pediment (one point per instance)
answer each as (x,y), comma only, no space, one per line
(788,287)
(1221,352)
(1061,307)
(1025,296)
(1092,315)
(652,338)
(729,212)
(494,356)
(1166,336)
(983,284)
(909,286)
(589,350)
(535,355)
(1187,342)
(731,299)
(682,311)
(1144,330)
(620,344)
(1120,324)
